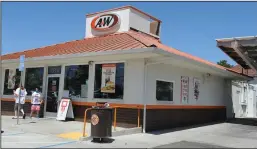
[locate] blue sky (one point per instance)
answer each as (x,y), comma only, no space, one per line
(188,26)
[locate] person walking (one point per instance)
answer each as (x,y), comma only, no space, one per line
(22,91)
(35,103)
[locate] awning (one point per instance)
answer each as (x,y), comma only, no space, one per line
(242,50)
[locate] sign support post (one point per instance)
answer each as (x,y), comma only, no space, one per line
(21,69)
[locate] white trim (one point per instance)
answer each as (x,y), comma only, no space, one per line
(236,38)
(165,81)
(3,81)
(37,66)
(61,84)
(84,54)
(44,81)
(91,81)
(160,101)
(109,62)
(74,64)
(188,60)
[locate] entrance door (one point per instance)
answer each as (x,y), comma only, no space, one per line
(52,96)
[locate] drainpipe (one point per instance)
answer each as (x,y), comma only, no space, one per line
(145,78)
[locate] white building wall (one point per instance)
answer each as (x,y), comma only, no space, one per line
(133,84)
(237,94)
(244,100)
(139,21)
(211,89)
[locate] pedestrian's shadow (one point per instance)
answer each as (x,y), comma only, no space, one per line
(103,140)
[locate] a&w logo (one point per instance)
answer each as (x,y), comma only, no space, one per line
(104,22)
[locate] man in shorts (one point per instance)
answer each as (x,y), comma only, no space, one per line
(23,94)
(35,103)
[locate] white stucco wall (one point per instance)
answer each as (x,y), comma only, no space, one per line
(247,109)
(133,80)
(211,90)
(139,21)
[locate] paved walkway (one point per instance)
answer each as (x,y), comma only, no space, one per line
(44,134)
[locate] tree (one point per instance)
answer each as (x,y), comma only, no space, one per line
(224,63)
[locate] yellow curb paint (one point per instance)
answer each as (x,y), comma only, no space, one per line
(71,135)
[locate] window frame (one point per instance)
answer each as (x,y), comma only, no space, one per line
(165,102)
(43,82)
(77,64)
(3,79)
(63,79)
(118,100)
(44,76)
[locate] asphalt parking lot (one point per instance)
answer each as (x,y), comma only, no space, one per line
(45,134)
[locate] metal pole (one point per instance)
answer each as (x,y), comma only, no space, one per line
(19,103)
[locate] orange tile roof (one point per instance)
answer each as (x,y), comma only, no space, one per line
(240,69)
(151,41)
(112,42)
(120,41)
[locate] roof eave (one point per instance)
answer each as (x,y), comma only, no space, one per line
(227,71)
(86,54)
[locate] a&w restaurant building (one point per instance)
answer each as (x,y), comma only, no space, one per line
(122,61)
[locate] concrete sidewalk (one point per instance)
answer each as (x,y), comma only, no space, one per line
(49,126)
(44,134)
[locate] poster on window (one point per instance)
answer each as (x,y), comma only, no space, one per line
(11,78)
(184,89)
(108,78)
(196,88)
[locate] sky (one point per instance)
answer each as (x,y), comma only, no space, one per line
(191,27)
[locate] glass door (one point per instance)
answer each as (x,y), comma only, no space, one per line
(52,96)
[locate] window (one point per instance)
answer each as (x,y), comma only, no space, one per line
(34,79)
(164,91)
(12,80)
(76,81)
(113,77)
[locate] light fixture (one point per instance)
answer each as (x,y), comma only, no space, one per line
(90,62)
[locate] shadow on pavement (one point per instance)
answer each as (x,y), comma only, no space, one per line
(103,140)
(243,121)
(187,144)
(159,132)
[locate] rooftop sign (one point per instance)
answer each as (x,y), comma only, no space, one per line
(105,22)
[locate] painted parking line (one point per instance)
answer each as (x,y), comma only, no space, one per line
(58,144)
(13,134)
